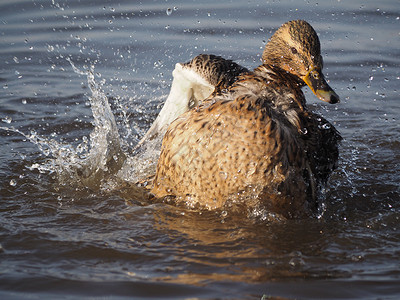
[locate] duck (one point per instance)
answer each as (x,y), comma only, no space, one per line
(246,138)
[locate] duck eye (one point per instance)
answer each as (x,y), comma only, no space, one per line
(294,50)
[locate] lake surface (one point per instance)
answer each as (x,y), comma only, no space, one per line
(79,76)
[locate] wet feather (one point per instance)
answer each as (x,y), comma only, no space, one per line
(253,140)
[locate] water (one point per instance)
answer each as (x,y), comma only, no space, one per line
(81,83)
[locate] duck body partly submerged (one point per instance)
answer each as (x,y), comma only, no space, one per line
(254,142)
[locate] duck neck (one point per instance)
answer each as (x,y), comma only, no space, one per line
(280,74)
(290,82)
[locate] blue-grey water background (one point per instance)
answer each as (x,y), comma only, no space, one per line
(60,239)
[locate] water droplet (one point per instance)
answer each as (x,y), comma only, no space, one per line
(13,182)
(23,101)
(304,130)
(223,175)
(169,11)
(7,119)
(297,261)
(356,257)
(46,152)
(326,126)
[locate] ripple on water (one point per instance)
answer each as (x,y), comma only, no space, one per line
(60,238)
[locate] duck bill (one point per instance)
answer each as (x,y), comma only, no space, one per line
(317,83)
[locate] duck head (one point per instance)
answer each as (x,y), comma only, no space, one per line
(295,48)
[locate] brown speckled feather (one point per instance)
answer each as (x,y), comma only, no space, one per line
(215,152)
(255,143)
(219,72)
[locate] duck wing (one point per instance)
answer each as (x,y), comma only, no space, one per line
(193,82)
(322,146)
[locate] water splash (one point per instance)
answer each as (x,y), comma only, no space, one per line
(104,155)
(99,161)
